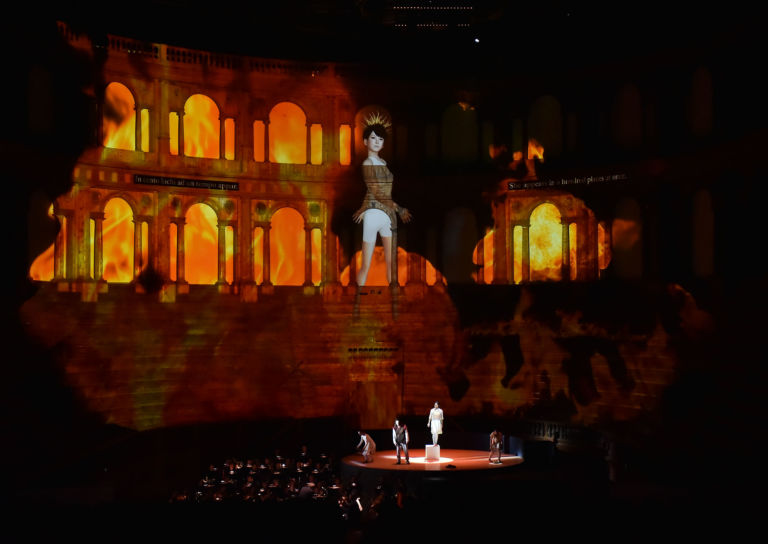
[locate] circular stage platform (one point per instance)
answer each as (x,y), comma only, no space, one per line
(451,460)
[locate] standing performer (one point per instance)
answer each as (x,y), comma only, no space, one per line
(400,439)
(496,439)
(368,445)
(435,422)
(378,209)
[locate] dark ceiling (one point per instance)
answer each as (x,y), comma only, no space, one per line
(465,36)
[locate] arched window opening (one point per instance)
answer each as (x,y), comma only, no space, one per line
(229,139)
(345,144)
(287,134)
(119,117)
(317,246)
(117,241)
(316,143)
(286,248)
(201,243)
(258,141)
(201,127)
(546,243)
(258,255)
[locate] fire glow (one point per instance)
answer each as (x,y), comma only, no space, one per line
(201,127)
(546,242)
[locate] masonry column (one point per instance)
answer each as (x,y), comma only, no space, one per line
(222,253)
(98,246)
(137,250)
(137,115)
(59,250)
(526,253)
(265,254)
(181,133)
(309,142)
(180,253)
(307,254)
(481,261)
(222,137)
(565,266)
(500,252)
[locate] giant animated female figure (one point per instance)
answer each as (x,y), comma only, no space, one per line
(378,211)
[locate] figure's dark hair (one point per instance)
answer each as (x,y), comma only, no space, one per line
(380,130)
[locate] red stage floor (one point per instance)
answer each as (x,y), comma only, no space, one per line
(450,460)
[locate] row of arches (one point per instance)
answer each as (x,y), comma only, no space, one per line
(629,121)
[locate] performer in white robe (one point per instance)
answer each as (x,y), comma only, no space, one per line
(435,422)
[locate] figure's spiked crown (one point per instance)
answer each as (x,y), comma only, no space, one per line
(376,118)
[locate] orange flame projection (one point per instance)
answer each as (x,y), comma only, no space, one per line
(286,248)
(603,247)
(119,119)
(258,255)
(535,150)
(117,241)
(517,257)
(201,245)
(316,256)
(201,127)
(345,144)
(287,134)
(487,242)
(546,243)
(316,143)
(42,266)
(377,273)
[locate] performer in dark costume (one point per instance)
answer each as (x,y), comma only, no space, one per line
(496,439)
(400,439)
